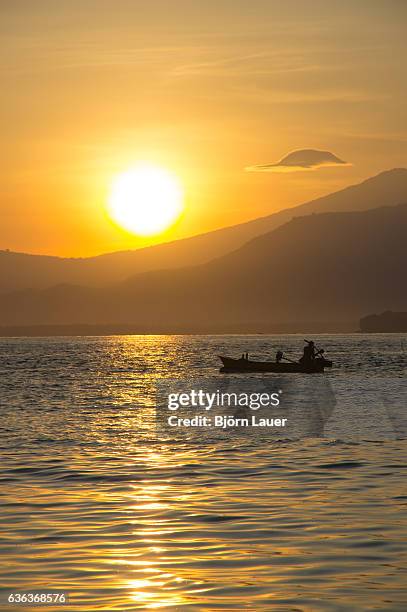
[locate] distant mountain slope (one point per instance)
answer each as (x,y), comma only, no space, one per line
(19,271)
(321,268)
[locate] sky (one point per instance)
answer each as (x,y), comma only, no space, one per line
(212,91)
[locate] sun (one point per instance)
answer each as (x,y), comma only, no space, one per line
(145,200)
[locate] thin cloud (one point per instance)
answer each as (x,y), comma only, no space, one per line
(302,159)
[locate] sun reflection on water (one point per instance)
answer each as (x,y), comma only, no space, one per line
(154,597)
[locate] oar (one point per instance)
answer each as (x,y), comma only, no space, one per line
(317,350)
(290,360)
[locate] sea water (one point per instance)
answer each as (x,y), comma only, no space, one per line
(95,503)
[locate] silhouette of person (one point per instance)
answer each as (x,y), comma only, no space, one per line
(309,353)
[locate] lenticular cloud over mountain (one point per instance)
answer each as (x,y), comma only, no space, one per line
(302,159)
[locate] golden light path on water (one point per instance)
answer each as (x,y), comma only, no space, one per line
(95,502)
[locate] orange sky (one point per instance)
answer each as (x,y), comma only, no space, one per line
(89,87)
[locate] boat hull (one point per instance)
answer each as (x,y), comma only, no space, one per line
(246,365)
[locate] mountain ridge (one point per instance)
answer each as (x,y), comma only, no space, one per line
(278,279)
(22,270)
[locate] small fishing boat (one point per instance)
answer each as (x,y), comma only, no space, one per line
(247,365)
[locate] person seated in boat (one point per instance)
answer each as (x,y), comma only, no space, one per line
(309,353)
(279,356)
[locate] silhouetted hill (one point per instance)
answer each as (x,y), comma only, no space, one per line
(20,271)
(387,322)
(313,271)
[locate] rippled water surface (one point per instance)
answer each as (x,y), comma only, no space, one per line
(94,502)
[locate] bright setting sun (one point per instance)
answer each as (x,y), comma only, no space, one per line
(145,200)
